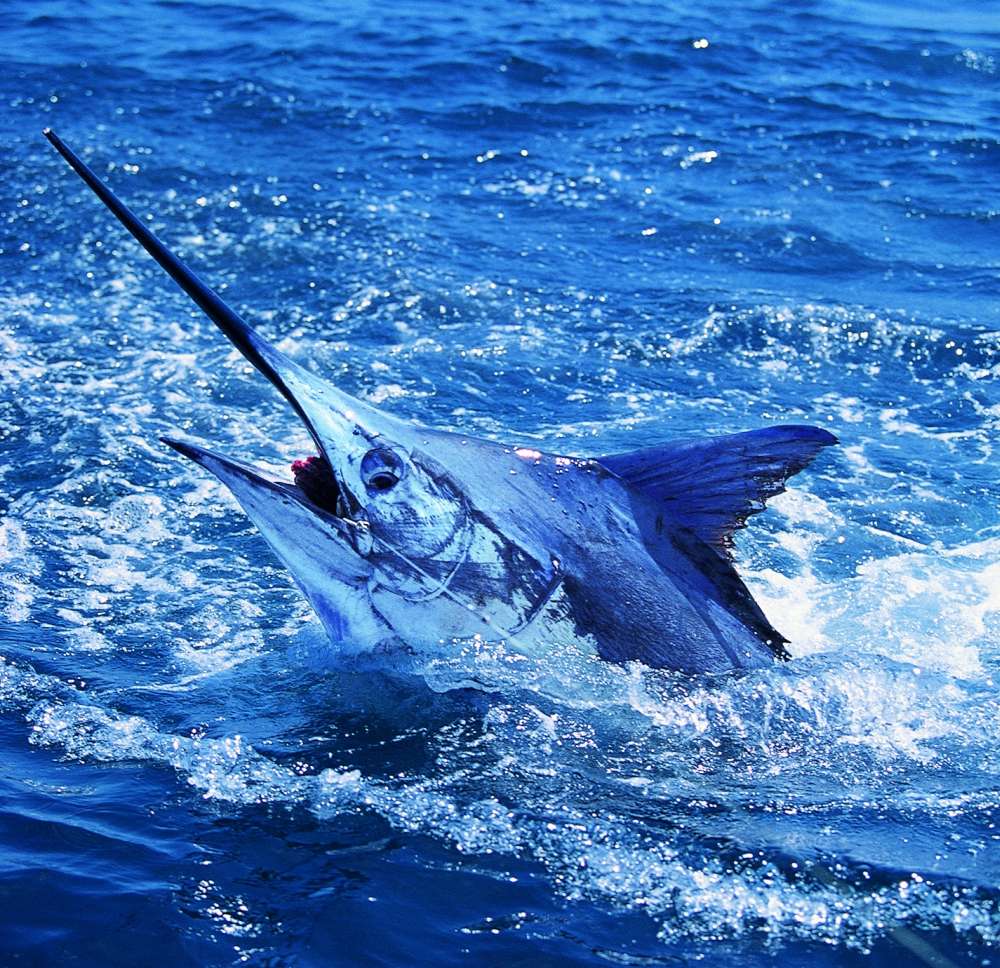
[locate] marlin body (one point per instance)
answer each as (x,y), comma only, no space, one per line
(406,537)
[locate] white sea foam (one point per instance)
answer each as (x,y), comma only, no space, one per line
(588,853)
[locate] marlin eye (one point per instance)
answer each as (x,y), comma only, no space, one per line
(381,469)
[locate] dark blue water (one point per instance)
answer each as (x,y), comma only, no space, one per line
(598,225)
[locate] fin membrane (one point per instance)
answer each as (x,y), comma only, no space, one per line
(710,486)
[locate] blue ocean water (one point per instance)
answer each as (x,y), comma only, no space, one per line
(595,225)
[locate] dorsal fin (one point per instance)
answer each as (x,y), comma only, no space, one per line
(712,485)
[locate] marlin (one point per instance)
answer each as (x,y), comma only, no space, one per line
(404,537)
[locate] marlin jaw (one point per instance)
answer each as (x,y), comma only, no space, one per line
(325,553)
(314,490)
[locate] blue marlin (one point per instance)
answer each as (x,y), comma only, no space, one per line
(401,536)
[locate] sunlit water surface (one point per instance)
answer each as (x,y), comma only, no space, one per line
(594,227)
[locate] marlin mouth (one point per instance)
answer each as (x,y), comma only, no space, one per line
(314,477)
(314,485)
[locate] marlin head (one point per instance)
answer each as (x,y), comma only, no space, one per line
(398,533)
(372,516)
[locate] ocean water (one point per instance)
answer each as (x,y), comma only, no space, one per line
(596,226)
